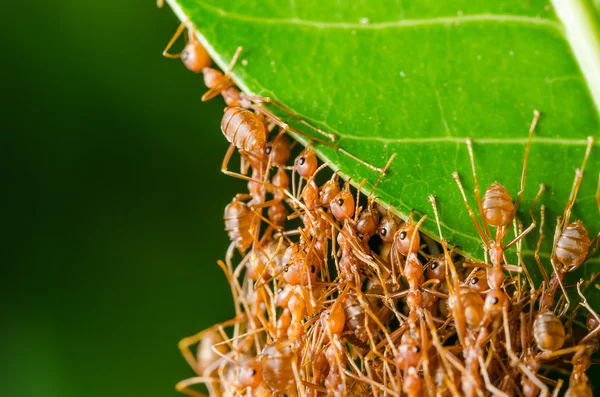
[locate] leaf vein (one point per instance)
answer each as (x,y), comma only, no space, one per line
(402,23)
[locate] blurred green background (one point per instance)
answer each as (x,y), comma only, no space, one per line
(113,201)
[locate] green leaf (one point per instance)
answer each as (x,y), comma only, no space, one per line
(418,77)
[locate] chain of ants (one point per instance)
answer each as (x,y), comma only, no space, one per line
(355,301)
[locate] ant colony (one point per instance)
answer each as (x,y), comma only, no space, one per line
(336,296)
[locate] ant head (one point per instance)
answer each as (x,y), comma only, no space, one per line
(495,301)
(195,57)
(437,268)
(591,322)
(407,237)
(329,190)
(368,221)
(409,350)
(478,281)
(279,150)
(250,374)
(342,205)
(306,163)
(388,228)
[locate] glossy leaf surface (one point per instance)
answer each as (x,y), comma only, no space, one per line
(418,77)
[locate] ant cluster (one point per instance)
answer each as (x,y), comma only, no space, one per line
(334,295)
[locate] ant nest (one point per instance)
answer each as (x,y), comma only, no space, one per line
(335,295)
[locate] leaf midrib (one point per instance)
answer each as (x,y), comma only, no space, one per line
(402,23)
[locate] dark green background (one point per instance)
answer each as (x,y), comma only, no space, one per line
(112,201)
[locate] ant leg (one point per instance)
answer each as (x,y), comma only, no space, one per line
(261,99)
(539,245)
(488,383)
(287,128)
(536,117)
(415,231)
(513,357)
(358,190)
(585,304)
(185,343)
(562,288)
(438,344)
(225,82)
(557,388)
(178,32)
(521,265)
(533,222)
(477,193)
(224,170)
(185,385)
(425,347)
(577,181)
(594,243)
(482,235)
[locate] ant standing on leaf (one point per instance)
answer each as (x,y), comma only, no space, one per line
(243,124)
(497,209)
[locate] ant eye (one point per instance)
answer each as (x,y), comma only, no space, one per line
(280,290)
(301,160)
(402,235)
(417,349)
(434,266)
(383,231)
(285,269)
(268,150)
(495,300)
(474,281)
(185,55)
(253,372)
(340,202)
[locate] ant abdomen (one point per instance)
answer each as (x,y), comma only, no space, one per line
(573,245)
(237,224)
(278,372)
(355,319)
(498,207)
(548,331)
(205,355)
(472,306)
(244,128)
